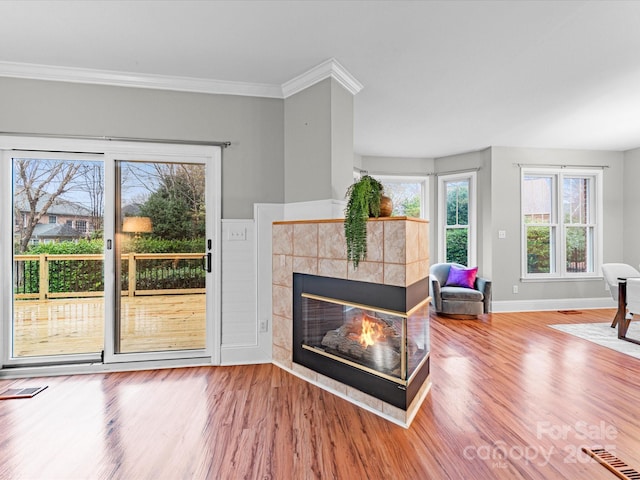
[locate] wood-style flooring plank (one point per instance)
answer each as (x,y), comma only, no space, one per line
(511,398)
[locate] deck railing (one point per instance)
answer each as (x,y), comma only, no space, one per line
(70,276)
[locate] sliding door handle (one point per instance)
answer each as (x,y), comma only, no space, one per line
(206,262)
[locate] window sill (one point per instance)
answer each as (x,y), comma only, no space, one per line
(562,279)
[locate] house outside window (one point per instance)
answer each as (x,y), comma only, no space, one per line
(457,218)
(561,222)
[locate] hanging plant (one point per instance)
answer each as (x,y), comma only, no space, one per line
(363,202)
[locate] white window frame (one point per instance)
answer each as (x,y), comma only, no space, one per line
(472,249)
(557,222)
(111,150)
(423,181)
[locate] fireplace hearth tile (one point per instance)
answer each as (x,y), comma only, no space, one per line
(395,274)
(332,384)
(282,239)
(394,412)
(305,265)
(366,272)
(282,332)
(305,372)
(375,242)
(395,242)
(331,241)
(413,239)
(282,301)
(281,356)
(365,398)
(413,273)
(281,270)
(305,240)
(332,268)
(423,245)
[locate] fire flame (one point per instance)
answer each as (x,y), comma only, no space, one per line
(371,332)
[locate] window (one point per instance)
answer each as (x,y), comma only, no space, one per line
(408,194)
(456,214)
(561,209)
(81,226)
(53,219)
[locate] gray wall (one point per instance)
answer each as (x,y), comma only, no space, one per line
(252,167)
(307,120)
(341,140)
(395,165)
(505,212)
(631,215)
(318,143)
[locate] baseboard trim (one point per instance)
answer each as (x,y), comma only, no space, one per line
(243,355)
(95,368)
(552,304)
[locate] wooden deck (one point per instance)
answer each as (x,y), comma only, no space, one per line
(76,325)
(512,399)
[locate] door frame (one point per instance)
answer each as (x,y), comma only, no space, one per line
(210,155)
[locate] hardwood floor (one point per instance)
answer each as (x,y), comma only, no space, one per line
(511,399)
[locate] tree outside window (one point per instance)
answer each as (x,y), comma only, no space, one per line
(457,214)
(408,195)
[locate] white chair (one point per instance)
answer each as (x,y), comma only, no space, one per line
(611,273)
(633,295)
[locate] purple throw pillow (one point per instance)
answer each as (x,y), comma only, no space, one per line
(461,277)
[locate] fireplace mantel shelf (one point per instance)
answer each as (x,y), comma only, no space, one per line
(341,220)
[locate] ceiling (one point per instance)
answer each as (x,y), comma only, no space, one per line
(439,78)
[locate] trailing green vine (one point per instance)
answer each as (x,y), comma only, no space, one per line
(363,202)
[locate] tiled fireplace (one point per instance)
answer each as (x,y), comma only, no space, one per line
(312,278)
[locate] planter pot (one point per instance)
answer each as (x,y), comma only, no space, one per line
(386,206)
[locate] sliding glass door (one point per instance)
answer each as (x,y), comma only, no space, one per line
(161,240)
(57,266)
(111,255)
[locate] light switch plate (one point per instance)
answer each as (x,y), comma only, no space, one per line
(237,234)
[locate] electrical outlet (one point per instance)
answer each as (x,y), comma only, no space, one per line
(515,289)
(237,234)
(264,326)
(502,234)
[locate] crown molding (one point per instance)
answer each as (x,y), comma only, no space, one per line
(128,79)
(330,68)
(327,69)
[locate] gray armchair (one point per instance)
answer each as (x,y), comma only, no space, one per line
(458,302)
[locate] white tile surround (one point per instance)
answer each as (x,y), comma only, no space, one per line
(397,254)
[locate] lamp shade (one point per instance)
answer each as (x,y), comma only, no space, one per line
(137,224)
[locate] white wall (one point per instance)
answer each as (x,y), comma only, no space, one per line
(246,335)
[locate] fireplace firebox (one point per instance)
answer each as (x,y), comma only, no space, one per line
(372,337)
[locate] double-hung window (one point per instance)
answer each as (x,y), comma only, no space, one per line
(457,218)
(561,222)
